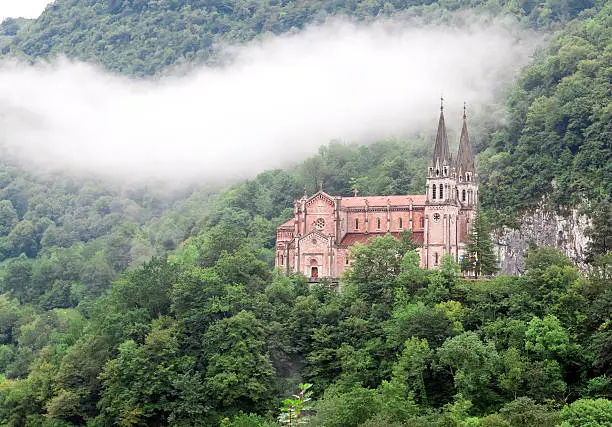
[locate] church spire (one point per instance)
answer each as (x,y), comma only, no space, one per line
(441,154)
(465,159)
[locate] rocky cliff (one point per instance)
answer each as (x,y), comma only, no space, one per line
(543,227)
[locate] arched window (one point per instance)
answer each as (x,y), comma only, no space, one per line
(422,222)
(356,223)
(467,176)
(435,258)
(441,191)
(463,196)
(433,192)
(282,260)
(378,223)
(346,261)
(400,223)
(437,172)
(445,171)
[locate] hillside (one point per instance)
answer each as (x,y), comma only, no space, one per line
(558,140)
(96,332)
(145,37)
(555,142)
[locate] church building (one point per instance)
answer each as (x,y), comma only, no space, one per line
(317,240)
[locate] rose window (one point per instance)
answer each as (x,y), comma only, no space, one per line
(319,224)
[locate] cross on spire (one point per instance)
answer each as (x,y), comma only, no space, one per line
(441,102)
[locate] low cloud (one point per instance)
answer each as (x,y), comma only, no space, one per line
(274,103)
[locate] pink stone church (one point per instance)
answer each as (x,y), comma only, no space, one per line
(317,240)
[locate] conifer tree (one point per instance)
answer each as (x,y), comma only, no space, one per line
(480,258)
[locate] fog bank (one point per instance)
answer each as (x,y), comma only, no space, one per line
(276,102)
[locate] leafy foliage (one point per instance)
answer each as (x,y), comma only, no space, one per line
(124,306)
(480,258)
(291,411)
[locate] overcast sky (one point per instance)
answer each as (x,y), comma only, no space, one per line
(22,8)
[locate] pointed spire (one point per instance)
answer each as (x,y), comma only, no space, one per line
(441,152)
(465,158)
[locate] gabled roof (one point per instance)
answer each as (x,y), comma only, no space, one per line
(288,224)
(351,238)
(316,232)
(322,194)
(382,201)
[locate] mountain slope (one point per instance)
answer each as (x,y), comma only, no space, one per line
(558,141)
(145,37)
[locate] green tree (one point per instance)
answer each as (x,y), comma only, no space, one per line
(587,413)
(411,366)
(23,239)
(600,229)
(239,372)
(524,412)
(480,257)
(17,279)
(473,365)
(375,268)
(547,338)
(291,411)
(8,217)
(139,386)
(348,409)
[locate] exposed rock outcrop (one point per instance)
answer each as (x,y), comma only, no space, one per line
(543,227)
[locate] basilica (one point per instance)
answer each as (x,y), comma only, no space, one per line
(318,239)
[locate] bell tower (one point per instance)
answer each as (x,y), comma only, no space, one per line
(467,185)
(441,206)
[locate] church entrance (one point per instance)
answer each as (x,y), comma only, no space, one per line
(314,272)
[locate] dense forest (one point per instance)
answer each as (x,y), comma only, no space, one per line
(144,37)
(134,306)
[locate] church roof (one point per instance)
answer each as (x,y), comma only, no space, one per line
(441,151)
(290,223)
(465,158)
(351,238)
(378,201)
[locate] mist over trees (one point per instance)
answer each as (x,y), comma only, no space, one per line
(132,306)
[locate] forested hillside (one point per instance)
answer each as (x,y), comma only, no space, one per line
(144,37)
(94,331)
(558,140)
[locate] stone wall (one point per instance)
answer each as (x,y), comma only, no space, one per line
(544,227)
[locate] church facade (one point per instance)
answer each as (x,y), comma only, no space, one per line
(317,240)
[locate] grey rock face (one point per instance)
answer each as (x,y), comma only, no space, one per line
(543,227)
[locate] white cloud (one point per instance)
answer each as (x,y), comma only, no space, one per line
(22,8)
(277,102)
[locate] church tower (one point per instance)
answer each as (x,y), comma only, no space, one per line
(467,185)
(318,240)
(441,206)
